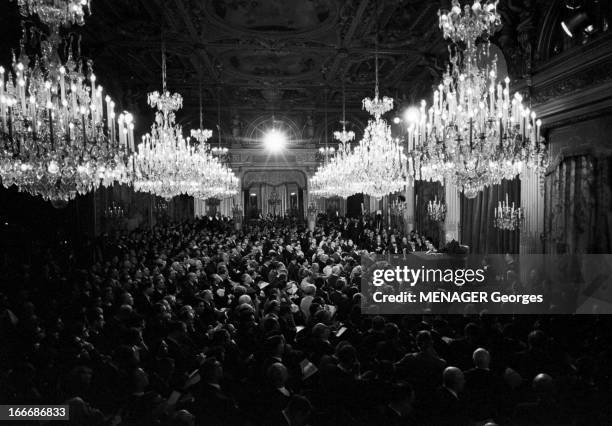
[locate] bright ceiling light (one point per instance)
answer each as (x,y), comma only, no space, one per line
(412,115)
(274,140)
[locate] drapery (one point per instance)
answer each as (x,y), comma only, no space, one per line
(424,193)
(224,208)
(578,207)
(477,230)
(264,193)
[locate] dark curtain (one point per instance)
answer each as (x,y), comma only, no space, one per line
(477,230)
(424,193)
(578,207)
(300,203)
(353,205)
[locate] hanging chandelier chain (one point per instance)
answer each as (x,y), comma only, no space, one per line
(343,106)
(200,99)
(163,54)
(325,101)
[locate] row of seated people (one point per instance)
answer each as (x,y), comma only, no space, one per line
(194,323)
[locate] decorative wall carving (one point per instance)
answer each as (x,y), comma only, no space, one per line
(596,74)
(274,177)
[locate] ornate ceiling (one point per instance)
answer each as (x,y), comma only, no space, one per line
(264,57)
(272,55)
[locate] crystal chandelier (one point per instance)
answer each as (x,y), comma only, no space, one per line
(326,152)
(160,206)
(474,134)
(472,23)
(377,166)
(344,136)
(436,210)
(506,217)
(201,135)
(57,141)
(165,164)
(381,165)
(114,211)
(218,181)
(219,151)
(399,207)
(335,177)
(56,12)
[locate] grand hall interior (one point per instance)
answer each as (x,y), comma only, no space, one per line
(196,194)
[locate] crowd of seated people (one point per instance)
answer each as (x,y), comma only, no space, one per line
(369,233)
(195,323)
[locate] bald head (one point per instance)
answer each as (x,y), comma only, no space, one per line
(542,384)
(278,374)
(453,379)
(183,418)
(481,358)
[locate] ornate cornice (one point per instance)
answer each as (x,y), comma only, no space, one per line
(596,74)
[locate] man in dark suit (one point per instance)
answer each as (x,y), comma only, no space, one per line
(143,300)
(482,387)
(424,368)
(461,349)
(544,410)
(213,406)
(296,414)
(449,409)
(400,410)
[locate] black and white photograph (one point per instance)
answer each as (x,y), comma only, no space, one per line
(305,212)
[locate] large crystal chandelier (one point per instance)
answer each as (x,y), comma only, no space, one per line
(474,134)
(335,178)
(56,140)
(377,166)
(218,179)
(221,183)
(167,164)
(381,165)
(56,12)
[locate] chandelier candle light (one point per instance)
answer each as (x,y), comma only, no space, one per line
(436,210)
(114,211)
(474,134)
(506,217)
(57,140)
(167,165)
(56,12)
(380,161)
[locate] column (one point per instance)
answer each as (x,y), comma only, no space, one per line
(453,213)
(532,203)
(374,205)
(409,213)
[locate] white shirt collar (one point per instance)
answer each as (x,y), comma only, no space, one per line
(452,392)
